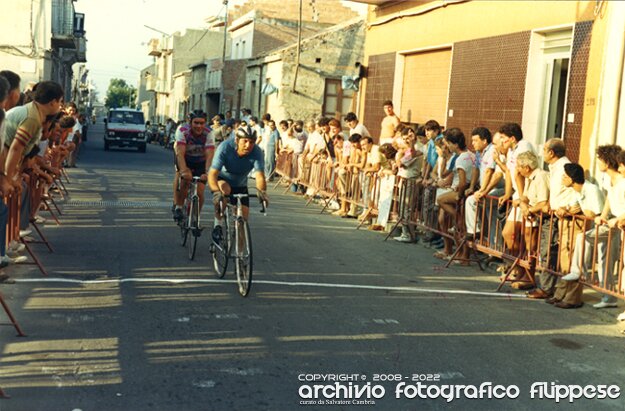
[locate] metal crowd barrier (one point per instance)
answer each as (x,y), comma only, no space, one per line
(414,204)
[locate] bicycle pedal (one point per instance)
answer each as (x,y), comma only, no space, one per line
(197,232)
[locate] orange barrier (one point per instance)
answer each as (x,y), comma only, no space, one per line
(414,205)
(10,201)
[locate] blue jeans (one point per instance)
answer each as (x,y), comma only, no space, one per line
(270,161)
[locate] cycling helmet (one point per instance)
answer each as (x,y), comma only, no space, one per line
(197,114)
(246,132)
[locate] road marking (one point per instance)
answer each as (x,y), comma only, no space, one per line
(270,282)
(243,372)
(385,321)
(204,384)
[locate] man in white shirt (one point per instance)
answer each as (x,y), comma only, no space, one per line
(587,200)
(75,135)
(315,145)
(513,142)
(355,127)
(559,196)
(482,144)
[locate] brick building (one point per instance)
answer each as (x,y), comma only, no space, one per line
(324,59)
(472,63)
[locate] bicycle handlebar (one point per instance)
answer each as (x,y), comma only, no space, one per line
(263,204)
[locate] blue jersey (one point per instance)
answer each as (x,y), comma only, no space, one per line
(233,168)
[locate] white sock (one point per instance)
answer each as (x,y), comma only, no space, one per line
(218,222)
(178,207)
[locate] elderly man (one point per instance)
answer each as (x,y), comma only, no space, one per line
(535,197)
(560,196)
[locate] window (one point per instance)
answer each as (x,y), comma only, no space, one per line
(253,96)
(336,101)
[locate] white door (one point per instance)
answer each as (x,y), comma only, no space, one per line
(556,52)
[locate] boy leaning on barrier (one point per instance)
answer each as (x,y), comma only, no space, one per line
(463,168)
(607,235)
(409,162)
(370,165)
(588,202)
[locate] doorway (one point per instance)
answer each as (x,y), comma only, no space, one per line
(556,55)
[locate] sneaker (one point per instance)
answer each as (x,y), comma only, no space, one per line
(18,259)
(621,316)
(4,261)
(178,214)
(438,244)
(404,239)
(24,233)
(217,234)
(605,304)
(571,277)
(16,247)
(40,220)
(28,239)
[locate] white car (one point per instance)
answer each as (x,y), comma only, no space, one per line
(125,127)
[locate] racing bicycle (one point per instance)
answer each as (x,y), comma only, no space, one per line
(235,244)
(190,222)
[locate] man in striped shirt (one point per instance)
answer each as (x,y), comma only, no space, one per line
(23,126)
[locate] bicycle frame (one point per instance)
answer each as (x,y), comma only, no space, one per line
(237,243)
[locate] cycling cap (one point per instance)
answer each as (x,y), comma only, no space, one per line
(197,114)
(246,132)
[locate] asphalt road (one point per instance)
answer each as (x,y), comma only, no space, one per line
(125,321)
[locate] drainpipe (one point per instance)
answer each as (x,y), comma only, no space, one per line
(222,94)
(607,111)
(260,89)
(299,46)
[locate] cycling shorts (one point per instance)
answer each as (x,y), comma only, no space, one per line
(238,190)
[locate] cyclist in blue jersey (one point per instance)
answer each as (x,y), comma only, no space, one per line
(233,161)
(193,150)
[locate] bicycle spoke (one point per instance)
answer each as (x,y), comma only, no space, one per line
(220,251)
(243,257)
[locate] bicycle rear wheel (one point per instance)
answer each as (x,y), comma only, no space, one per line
(194,225)
(220,251)
(184,225)
(243,259)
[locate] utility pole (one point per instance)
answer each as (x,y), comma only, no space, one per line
(222,96)
(299,46)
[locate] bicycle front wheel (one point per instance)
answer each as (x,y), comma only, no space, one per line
(194,225)
(184,226)
(243,259)
(220,251)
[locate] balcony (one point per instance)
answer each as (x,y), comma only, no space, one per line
(154,48)
(150,83)
(81,50)
(63,24)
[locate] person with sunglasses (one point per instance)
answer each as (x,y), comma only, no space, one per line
(193,150)
(233,161)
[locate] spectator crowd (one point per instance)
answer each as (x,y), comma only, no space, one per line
(453,191)
(450,191)
(40,134)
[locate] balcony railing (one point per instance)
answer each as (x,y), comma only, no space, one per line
(81,50)
(154,48)
(63,23)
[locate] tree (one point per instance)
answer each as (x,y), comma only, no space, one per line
(120,94)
